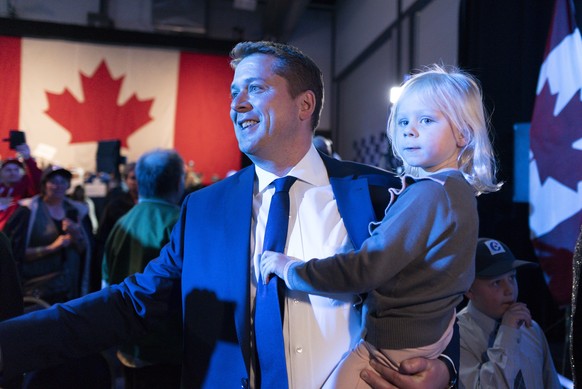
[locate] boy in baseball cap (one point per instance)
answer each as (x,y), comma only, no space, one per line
(501,346)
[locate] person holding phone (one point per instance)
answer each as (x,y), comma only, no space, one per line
(19,178)
(50,240)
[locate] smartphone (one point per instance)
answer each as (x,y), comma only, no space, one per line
(16,138)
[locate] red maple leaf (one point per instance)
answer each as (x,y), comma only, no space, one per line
(551,139)
(99,117)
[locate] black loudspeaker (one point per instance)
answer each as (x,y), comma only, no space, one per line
(108,157)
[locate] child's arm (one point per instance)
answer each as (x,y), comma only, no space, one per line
(408,242)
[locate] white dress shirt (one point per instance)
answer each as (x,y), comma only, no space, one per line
(492,355)
(318,330)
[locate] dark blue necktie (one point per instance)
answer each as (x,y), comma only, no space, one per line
(268,324)
(519,381)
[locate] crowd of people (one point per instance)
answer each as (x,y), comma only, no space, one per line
(185,288)
(54,250)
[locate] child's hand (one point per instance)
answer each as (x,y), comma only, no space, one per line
(517,315)
(273,263)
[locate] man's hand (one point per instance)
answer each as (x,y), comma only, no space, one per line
(414,373)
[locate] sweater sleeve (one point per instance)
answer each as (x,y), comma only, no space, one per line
(32,177)
(412,226)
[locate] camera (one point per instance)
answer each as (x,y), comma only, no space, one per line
(16,138)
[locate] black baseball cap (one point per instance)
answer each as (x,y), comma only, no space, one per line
(54,171)
(494,258)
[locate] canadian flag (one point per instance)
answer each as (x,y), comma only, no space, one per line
(67,96)
(556,153)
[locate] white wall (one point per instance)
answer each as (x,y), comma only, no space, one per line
(362,87)
(437,36)
(358,23)
(314,37)
(363,104)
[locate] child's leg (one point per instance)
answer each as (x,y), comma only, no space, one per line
(347,374)
(393,358)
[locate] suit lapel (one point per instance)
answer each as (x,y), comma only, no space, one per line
(241,265)
(353,200)
(354,205)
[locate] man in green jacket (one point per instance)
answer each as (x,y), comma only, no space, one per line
(153,361)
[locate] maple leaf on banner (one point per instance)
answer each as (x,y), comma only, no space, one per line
(98,116)
(550,133)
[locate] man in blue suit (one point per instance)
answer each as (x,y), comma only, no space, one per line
(208,267)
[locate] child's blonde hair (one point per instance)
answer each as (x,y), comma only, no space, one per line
(458,96)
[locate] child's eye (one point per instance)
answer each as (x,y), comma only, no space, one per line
(426,120)
(402,123)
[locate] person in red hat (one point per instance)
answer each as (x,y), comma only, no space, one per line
(18,180)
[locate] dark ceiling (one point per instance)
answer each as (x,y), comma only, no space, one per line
(206,25)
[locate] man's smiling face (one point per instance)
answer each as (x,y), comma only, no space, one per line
(265,116)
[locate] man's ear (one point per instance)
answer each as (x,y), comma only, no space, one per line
(469,294)
(306,104)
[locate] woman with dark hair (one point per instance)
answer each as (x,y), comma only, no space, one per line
(50,237)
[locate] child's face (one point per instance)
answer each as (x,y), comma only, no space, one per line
(493,296)
(424,137)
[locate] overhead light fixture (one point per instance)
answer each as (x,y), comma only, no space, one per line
(395,94)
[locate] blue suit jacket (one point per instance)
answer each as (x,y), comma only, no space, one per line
(204,270)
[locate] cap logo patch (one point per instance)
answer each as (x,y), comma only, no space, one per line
(494,247)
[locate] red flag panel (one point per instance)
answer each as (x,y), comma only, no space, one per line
(76,94)
(203,130)
(9,89)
